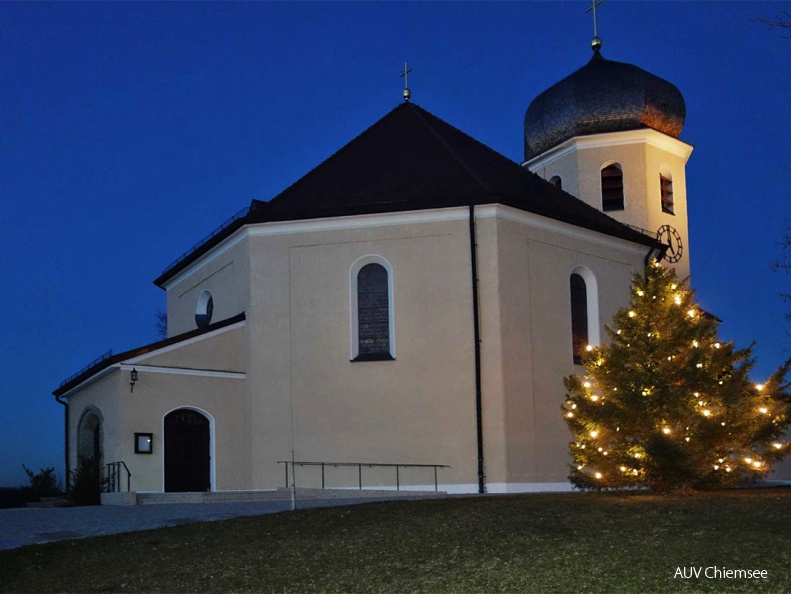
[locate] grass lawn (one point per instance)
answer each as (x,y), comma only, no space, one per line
(576,542)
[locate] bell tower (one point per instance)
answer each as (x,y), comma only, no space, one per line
(608,134)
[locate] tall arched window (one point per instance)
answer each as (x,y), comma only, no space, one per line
(90,449)
(612,187)
(666,190)
(372,310)
(579,317)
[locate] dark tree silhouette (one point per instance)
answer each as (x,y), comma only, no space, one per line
(162,324)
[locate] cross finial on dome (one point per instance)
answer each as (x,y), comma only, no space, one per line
(596,41)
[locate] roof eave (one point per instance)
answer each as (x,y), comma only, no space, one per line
(143,350)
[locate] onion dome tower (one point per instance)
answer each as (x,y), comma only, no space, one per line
(608,134)
(602,96)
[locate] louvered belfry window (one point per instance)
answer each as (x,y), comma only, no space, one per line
(579,317)
(373,311)
(612,188)
(666,187)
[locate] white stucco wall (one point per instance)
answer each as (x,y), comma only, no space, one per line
(186,376)
(305,392)
(535,325)
(224,272)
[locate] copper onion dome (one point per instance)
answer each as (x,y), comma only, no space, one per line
(602,96)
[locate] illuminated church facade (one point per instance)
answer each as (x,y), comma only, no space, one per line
(416,299)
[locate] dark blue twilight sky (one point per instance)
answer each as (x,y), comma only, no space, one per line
(130,130)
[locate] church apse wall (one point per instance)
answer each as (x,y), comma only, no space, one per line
(535,323)
(417,408)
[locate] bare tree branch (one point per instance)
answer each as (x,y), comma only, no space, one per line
(162,324)
(783,264)
(781,21)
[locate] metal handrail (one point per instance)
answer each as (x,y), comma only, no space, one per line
(651,234)
(97,360)
(114,477)
(238,215)
(360,465)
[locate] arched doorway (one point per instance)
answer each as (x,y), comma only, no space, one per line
(89,438)
(187,457)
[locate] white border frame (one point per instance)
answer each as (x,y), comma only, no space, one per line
(592,297)
(649,136)
(183,371)
(90,409)
(354,270)
(201,308)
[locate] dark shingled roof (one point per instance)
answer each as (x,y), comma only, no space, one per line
(149,348)
(602,96)
(412,160)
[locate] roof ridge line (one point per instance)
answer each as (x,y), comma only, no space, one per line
(453,153)
(342,149)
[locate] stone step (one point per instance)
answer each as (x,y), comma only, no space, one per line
(281,494)
(48,502)
(307,493)
(213,497)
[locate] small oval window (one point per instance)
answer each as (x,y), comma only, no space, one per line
(556,181)
(204,309)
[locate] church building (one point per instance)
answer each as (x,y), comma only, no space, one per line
(410,305)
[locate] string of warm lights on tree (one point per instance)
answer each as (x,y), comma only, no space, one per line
(667,405)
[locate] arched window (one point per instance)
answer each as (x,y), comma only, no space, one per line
(556,181)
(90,433)
(579,317)
(371,284)
(204,310)
(666,190)
(373,311)
(612,187)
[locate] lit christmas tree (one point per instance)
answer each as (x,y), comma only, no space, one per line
(666,405)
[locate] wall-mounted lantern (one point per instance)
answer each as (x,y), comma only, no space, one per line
(132,380)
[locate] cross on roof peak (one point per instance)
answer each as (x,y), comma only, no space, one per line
(405,75)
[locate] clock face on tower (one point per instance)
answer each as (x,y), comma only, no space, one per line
(669,236)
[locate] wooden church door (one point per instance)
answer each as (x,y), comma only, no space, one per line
(187,457)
